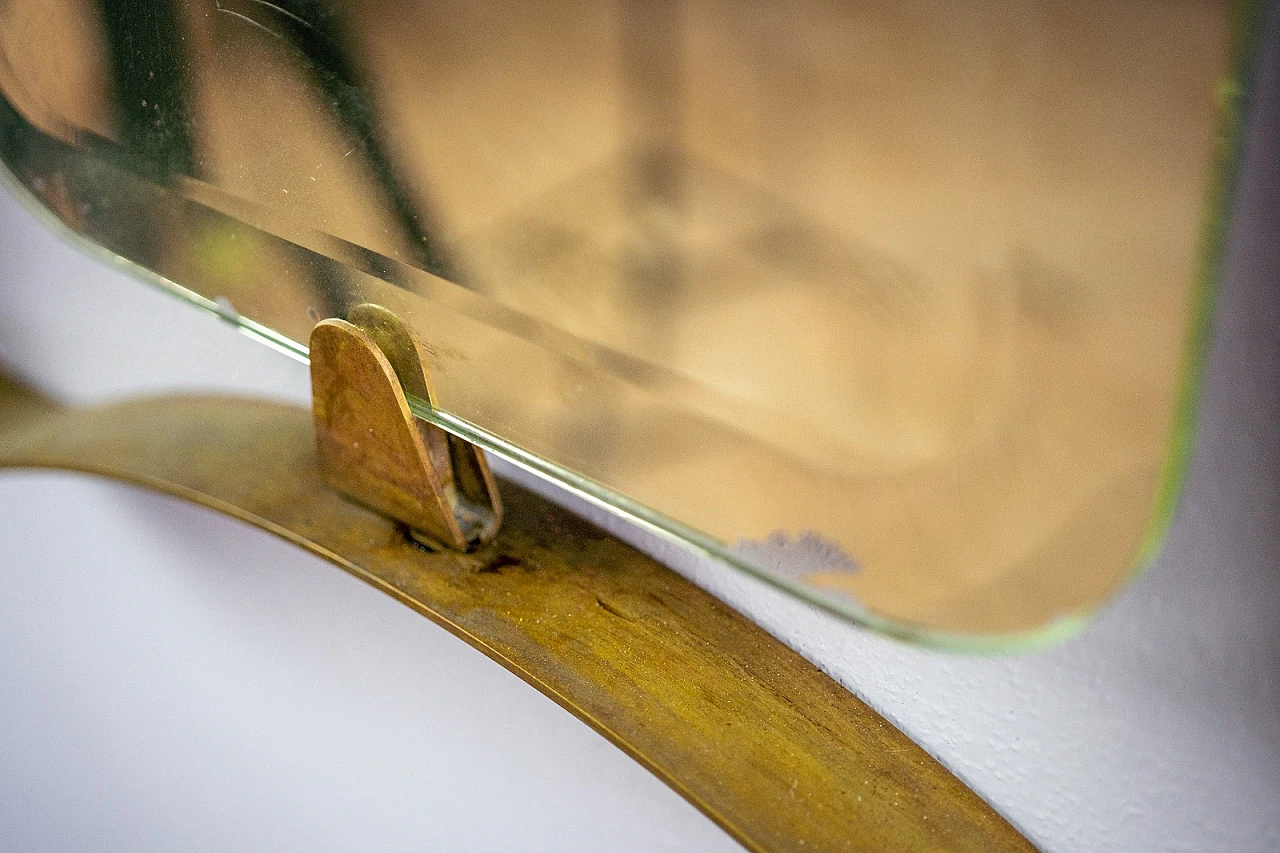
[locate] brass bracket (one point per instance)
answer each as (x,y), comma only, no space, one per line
(372,449)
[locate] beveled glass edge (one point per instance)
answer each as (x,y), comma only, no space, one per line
(1235,100)
(86,246)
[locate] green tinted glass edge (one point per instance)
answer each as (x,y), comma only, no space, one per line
(1234,101)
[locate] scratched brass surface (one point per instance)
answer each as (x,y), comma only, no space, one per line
(894,304)
(371,448)
(772,750)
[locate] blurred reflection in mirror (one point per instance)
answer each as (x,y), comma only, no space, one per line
(891,303)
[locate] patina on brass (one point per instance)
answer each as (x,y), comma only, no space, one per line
(757,738)
(370,447)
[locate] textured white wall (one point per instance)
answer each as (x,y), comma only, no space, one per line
(170,679)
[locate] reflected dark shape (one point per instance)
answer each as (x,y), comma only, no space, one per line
(145,40)
(149,68)
(315,29)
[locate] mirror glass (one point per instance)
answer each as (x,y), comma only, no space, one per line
(897,305)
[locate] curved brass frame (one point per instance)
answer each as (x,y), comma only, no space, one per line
(767,746)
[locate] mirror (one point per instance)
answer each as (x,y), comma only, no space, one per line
(897,305)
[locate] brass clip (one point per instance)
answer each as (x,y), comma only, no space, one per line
(372,449)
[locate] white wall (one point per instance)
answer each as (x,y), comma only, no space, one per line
(169,679)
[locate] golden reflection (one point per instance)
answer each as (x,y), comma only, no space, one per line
(890,300)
